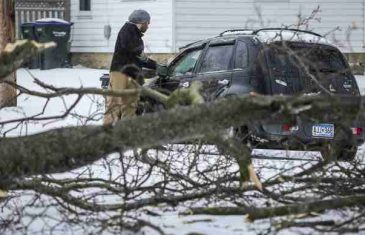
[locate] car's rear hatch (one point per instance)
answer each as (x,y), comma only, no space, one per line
(307,69)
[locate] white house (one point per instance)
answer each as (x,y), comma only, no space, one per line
(178,22)
(88,32)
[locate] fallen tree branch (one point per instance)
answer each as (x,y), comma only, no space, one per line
(61,91)
(15,54)
(216,211)
(68,198)
(305,208)
(263,213)
(69,148)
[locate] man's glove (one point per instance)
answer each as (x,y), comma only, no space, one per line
(161,70)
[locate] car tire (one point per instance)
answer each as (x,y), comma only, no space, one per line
(347,153)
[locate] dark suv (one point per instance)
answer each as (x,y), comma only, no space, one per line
(268,62)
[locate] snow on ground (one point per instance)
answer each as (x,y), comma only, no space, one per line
(93,106)
(89,106)
(360,79)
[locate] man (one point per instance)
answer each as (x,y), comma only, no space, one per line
(126,106)
(129,50)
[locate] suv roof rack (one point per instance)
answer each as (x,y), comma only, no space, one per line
(288,29)
(254,32)
(192,43)
(238,31)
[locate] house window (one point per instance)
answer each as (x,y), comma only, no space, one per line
(274,1)
(85,5)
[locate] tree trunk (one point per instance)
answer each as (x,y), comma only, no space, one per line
(7,35)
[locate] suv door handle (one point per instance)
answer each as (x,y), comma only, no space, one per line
(223,82)
(185,84)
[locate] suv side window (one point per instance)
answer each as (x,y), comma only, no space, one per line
(217,58)
(186,64)
(241,55)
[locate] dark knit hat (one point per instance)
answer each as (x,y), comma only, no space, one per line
(139,16)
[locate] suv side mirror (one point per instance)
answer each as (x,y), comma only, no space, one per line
(162,71)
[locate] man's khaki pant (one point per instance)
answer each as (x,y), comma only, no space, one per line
(120,107)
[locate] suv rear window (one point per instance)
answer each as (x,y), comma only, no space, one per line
(323,60)
(288,66)
(217,58)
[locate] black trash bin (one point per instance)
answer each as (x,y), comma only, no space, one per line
(58,31)
(28,33)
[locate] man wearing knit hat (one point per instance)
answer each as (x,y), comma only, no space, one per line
(129,45)
(129,50)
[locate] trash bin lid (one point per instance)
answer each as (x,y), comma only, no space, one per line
(27,24)
(52,21)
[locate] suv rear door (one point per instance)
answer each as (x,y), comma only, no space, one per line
(244,76)
(312,69)
(215,70)
(286,76)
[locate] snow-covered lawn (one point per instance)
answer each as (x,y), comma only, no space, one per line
(89,107)
(90,111)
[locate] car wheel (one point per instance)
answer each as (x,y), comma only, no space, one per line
(347,153)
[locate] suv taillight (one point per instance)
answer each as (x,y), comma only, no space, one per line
(289,128)
(356,130)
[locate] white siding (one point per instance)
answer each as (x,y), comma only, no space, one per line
(199,19)
(88,30)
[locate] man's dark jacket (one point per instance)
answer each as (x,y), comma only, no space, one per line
(128,48)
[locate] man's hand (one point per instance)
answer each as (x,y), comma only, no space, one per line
(162,69)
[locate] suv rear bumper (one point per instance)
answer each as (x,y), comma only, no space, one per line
(297,140)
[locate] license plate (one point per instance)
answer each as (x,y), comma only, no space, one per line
(323,130)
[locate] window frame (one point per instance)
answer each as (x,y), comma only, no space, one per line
(137,0)
(182,56)
(85,10)
(217,44)
(235,67)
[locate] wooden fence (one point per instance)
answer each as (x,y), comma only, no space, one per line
(31,10)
